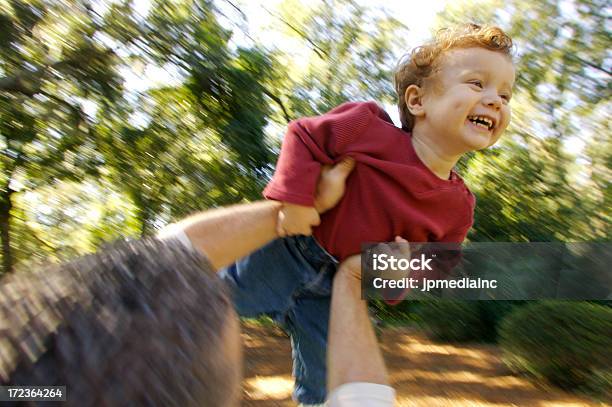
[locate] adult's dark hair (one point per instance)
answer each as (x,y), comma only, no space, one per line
(140,323)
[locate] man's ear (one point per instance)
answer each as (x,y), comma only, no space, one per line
(413,97)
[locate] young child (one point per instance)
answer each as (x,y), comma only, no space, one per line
(453,96)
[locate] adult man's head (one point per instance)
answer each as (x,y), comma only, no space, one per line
(141,323)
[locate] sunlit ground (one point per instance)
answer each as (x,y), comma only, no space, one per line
(269,388)
(424,374)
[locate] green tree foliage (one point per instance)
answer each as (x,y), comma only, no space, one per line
(198,140)
(202,142)
(202,136)
(562,342)
(351,54)
(229,86)
(49,63)
(60,221)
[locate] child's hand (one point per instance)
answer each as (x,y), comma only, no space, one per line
(331,185)
(296,220)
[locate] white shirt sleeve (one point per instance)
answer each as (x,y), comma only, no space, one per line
(176,232)
(361,394)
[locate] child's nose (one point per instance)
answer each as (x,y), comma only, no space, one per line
(493,100)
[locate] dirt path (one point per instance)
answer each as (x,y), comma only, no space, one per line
(423,373)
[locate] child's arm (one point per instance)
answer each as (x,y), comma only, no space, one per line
(309,144)
(313,142)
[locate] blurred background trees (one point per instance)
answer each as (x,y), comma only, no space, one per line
(92,152)
(79,124)
(49,66)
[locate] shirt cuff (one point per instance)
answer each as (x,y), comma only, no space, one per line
(361,394)
(175,232)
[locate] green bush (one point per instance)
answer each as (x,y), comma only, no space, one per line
(460,321)
(401,314)
(454,321)
(599,385)
(565,343)
(492,314)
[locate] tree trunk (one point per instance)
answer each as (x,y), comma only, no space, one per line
(145,220)
(142,211)
(5,228)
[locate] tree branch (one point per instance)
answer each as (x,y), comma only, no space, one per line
(318,50)
(244,20)
(27,83)
(75,108)
(590,64)
(34,234)
(279,102)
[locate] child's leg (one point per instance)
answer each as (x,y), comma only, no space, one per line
(307,324)
(264,282)
(290,280)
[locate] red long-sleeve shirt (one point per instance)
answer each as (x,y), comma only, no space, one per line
(389,193)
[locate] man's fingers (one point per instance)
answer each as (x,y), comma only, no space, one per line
(325,169)
(403,245)
(331,184)
(340,171)
(347,164)
(315,219)
(350,268)
(306,231)
(344,167)
(280,230)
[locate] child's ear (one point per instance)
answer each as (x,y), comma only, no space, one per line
(413,97)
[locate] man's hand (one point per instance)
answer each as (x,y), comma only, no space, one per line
(332,184)
(350,268)
(296,220)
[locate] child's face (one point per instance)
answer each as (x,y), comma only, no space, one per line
(466,105)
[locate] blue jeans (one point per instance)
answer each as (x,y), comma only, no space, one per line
(290,280)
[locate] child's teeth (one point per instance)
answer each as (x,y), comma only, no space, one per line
(487,122)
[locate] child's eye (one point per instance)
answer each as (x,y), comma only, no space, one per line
(477,83)
(506,98)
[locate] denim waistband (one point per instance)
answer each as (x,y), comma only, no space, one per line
(309,246)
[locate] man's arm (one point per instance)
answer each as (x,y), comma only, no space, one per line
(357,375)
(353,354)
(227,234)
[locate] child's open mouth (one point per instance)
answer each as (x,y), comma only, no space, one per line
(482,122)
